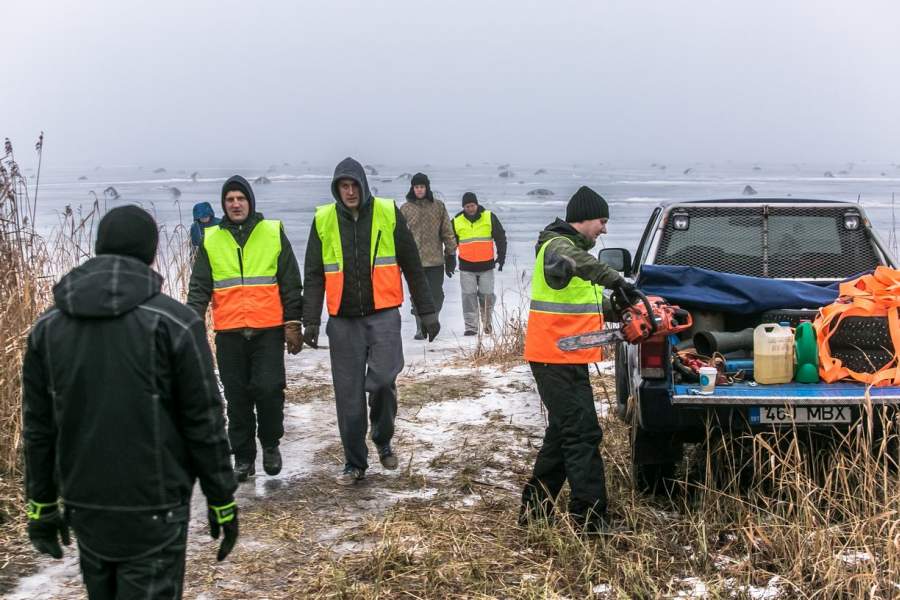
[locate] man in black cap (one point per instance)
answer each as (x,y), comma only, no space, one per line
(478,231)
(246,266)
(121,414)
(567,299)
(429,223)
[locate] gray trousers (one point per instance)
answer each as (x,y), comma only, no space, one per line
(477,298)
(366,357)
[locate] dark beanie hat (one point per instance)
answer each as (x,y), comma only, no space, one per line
(469,197)
(129,230)
(420,179)
(586,204)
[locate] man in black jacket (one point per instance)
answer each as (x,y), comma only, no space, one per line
(121,415)
(246,266)
(360,276)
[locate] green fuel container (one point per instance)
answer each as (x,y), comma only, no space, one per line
(807,353)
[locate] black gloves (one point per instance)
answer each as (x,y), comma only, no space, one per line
(500,264)
(625,286)
(311,336)
(224,518)
(46,528)
(430,325)
(292,337)
(449,265)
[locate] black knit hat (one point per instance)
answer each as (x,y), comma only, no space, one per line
(586,204)
(469,197)
(129,230)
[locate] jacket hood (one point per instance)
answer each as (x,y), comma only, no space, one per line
(349,168)
(203,209)
(419,179)
(236,182)
(561,228)
(106,286)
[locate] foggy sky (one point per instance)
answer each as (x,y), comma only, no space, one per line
(236,83)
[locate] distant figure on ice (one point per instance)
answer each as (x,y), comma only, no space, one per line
(358,246)
(247,268)
(477,232)
(430,226)
(121,415)
(204,217)
(566,299)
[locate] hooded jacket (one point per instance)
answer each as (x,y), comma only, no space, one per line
(499,235)
(202,209)
(121,409)
(357,299)
(290,286)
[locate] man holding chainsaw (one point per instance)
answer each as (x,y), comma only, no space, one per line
(567,300)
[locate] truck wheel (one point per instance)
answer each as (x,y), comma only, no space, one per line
(651,465)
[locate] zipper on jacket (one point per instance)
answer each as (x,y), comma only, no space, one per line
(375,258)
(241,265)
(356,257)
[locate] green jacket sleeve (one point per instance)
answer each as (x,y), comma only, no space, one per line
(560,252)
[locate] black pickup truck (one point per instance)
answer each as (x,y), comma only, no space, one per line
(813,241)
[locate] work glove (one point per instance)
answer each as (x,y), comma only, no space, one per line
(430,325)
(311,336)
(625,287)
(46,528)
(293,337)
(449,264)
(224,518)
(500,264)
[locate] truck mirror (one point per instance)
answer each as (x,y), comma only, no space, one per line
(618,259)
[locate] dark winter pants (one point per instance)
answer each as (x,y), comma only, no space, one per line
(435,278)
(366,357)
(571,444)
(155,574)
(251,368)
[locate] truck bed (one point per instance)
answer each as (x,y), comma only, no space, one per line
(838,394)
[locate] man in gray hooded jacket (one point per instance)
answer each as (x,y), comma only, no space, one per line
(358,247)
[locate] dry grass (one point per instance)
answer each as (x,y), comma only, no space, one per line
(834,535)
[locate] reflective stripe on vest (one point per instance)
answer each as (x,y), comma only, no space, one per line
(387,290)
(476,243)
(245,280)
(554,314)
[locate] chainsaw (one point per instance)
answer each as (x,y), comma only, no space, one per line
(650,317)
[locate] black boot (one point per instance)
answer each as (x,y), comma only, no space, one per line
(243,469)
(272,460)
(592,521)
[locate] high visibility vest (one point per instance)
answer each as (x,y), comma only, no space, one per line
(555,314)
(387,290)
(476,243)
(245,285)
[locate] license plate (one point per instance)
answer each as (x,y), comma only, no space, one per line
(800,414)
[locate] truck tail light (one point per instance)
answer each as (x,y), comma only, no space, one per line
(653,356)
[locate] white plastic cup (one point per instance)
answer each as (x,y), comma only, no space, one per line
(708,377)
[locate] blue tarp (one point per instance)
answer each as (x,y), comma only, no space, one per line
(726,292)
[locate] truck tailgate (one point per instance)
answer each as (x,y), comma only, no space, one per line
(838,394)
